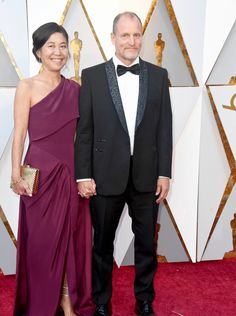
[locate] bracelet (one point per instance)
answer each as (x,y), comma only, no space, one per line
(13,183)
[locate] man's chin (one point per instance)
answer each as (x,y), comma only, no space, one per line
(131,58)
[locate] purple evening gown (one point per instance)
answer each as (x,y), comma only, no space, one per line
(54,234)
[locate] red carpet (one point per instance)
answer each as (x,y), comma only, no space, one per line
(202,289)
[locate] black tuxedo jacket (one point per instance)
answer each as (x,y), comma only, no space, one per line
(102,147)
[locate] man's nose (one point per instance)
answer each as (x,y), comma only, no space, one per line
(131,40)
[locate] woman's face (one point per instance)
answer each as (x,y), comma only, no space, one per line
(54,53)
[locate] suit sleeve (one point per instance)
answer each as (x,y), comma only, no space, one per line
(165,132)
(84,133)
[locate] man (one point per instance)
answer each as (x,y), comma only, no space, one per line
(123,155)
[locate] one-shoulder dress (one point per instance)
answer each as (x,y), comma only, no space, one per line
(54,233)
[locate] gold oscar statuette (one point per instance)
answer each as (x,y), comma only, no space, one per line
(232,253)
(159,46)
(76,46)
(232,80)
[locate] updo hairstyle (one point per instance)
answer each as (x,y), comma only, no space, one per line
(42,34)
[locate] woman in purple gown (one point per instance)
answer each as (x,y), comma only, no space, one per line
(54,233)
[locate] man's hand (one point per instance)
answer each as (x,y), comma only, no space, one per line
(163,185)
(86,188)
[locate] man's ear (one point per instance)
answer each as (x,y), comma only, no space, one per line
(113,38)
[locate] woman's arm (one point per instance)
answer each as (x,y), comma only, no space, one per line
(22,104)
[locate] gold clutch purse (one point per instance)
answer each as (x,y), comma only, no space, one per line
(31,176)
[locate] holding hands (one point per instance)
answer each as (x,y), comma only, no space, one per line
(87,188)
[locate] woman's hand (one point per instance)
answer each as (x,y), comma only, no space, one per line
(21,187)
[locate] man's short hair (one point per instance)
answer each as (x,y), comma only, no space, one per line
(130,14)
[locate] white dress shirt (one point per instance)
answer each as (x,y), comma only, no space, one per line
(129,92)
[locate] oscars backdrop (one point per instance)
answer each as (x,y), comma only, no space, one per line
(195,41)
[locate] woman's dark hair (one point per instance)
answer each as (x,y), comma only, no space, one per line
(42,34)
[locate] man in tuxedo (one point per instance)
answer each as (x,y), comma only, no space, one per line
(123,155)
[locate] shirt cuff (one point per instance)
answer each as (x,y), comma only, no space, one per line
(82,180)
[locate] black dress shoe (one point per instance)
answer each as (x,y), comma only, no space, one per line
(144,308)
(102,310)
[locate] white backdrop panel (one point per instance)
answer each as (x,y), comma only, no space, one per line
(13,25)
(183,102)
(220,17)
(129,256)
(173,58)
(221,240)
(213,175)
(184,189)
(8,74)
(224,68)
(6,117)
(169,244)
(191,20)
(124,237)
(7,252)
(222,96)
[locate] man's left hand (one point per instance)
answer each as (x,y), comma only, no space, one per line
(163,185)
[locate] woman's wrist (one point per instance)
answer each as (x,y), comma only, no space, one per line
(15,173)
(15,180)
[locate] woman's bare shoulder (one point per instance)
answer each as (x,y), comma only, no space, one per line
(26,89)
(26,84)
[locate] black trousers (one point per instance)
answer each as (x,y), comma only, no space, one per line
(106,212)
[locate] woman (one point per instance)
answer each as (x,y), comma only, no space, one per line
(54,234)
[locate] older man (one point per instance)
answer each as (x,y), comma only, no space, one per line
(123,155)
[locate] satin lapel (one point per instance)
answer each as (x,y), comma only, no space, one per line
(143,87)
(115,93)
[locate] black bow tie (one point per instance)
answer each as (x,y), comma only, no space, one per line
(135,69)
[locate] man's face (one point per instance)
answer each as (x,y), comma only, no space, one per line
(127,39)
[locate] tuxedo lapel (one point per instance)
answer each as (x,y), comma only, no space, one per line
(115,93)
(143,86)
